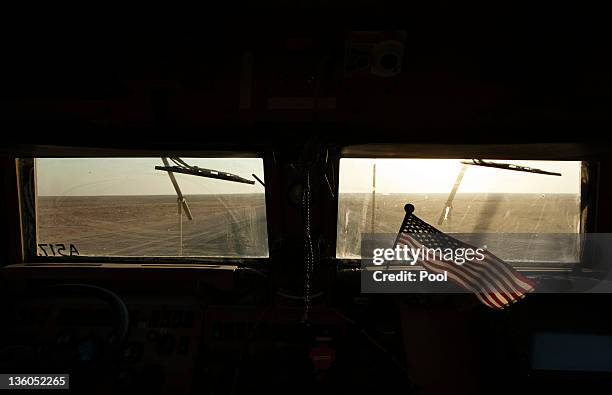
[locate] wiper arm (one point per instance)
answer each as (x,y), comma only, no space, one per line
(508,166)
(179,194)
(202,172)
(448,207)
(182,167)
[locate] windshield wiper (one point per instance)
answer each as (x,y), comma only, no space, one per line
(448,207)
(508,166)
(209,173)
(182,167)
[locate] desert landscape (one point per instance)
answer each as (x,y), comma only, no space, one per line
(232,225)
(516,227)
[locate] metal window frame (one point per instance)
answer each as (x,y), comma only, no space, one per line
(26,179)
(560,152)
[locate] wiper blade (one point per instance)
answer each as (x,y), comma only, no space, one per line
(202,172)
(508,166)
(448,207)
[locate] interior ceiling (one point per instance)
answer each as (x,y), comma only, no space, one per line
(468,77)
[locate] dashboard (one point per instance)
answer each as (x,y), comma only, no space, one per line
(159,352)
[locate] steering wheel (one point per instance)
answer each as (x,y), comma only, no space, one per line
(79,356)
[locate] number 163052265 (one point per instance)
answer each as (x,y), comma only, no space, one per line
(57,249)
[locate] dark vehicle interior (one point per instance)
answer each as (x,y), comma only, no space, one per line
(282,137)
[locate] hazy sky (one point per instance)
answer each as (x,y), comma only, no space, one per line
(439,175)
(137,176)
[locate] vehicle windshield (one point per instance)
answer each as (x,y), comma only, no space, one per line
(511,203)
(127,207)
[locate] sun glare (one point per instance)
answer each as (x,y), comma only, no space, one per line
(439,176)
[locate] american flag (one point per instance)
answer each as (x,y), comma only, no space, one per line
(494,282)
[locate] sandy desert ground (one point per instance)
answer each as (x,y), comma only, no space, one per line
(516,227)
(222,225)
(235,225)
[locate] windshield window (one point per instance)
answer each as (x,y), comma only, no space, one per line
(127,207)
(463,198)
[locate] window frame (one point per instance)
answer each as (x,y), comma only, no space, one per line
(27,195)
(589,195)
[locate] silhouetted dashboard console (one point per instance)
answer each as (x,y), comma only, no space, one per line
(81,332)
(159,352)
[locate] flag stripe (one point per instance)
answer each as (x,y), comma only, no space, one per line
(472,283)
(494,298)
(509,275)
(493,282)
(522,281)
(476,275)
